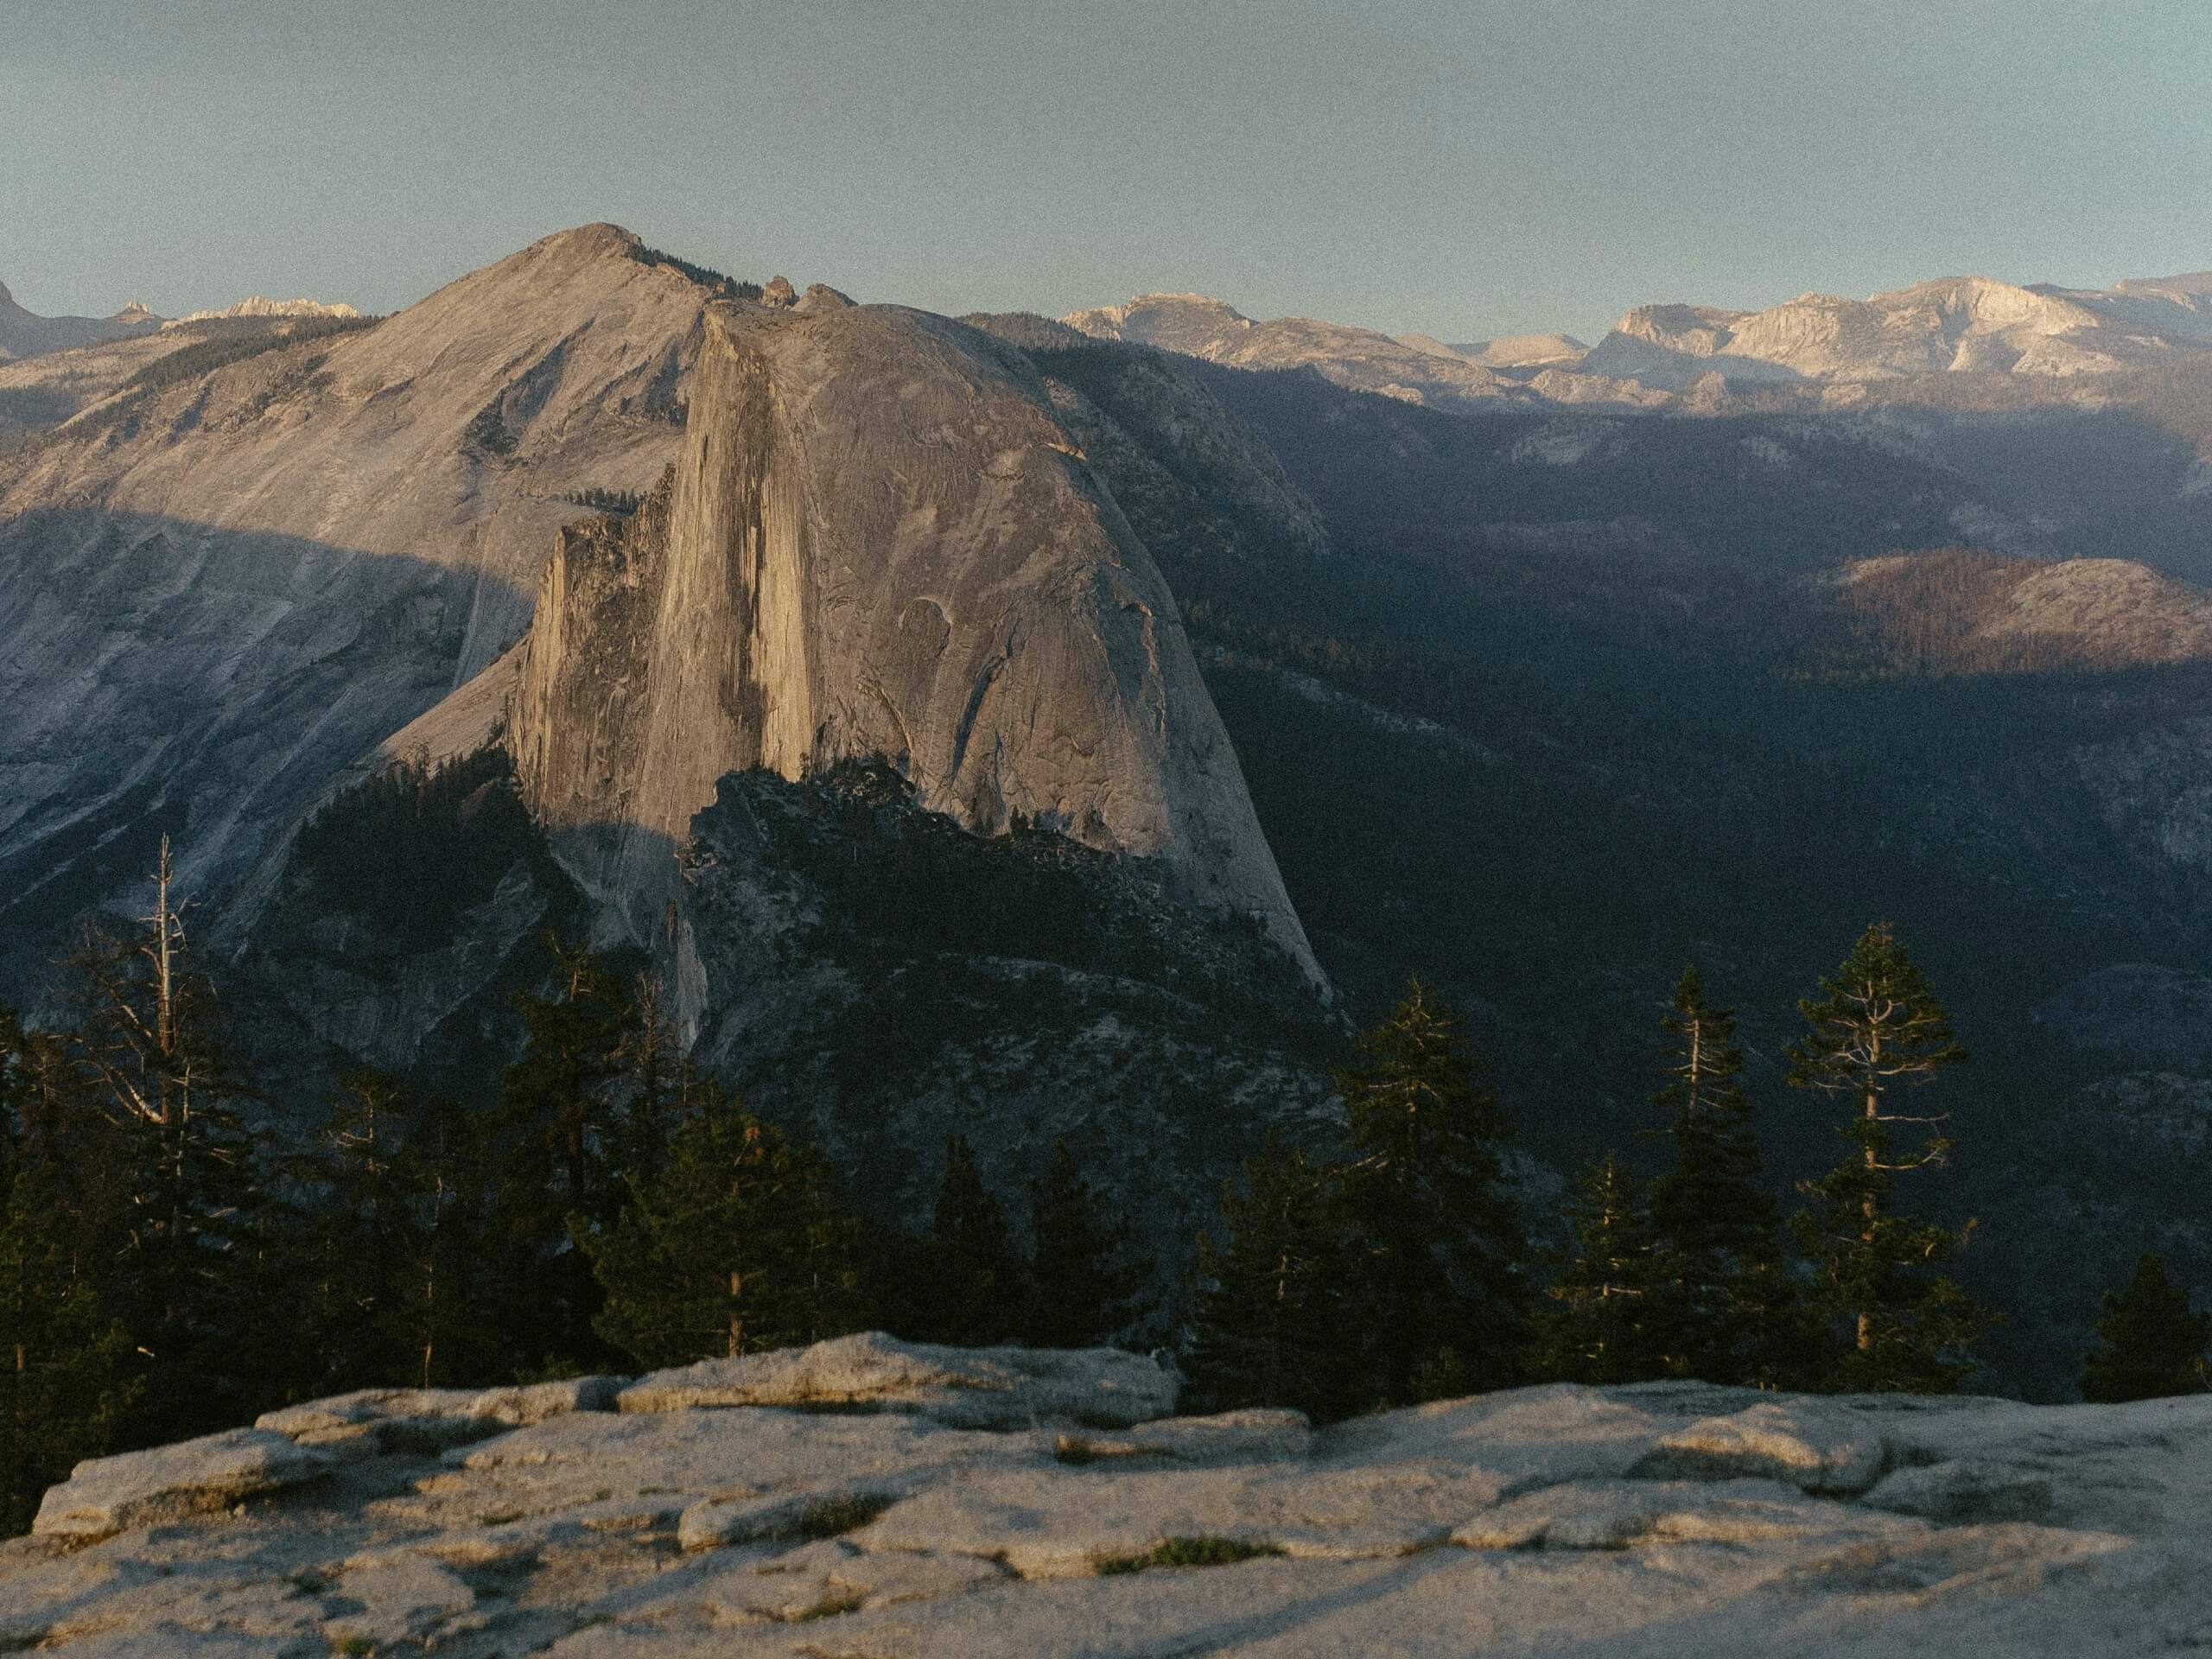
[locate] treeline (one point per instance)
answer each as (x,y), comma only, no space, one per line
(621,503)
(163,1271)
(195,362)
(721,286)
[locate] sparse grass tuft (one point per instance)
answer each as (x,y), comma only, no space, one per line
(1074,1450)
(832,1518)
(829,1607)
(1183,1552)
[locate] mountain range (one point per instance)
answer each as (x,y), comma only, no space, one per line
(1952,325)
(25,333)
(1061,728)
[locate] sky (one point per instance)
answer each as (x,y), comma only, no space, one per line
(1458,168)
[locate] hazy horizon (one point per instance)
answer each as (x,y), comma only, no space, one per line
(1462,171)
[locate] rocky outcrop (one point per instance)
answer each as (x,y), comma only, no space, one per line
(1663,1518)
(879,540)
(966,1387)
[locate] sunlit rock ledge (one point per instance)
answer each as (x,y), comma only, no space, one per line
(871,1497)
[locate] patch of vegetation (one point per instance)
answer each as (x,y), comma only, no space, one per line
(191,362)
(488,435)
(413,847)
(998,925)
(831,1606)
(723,287)
(621,503)
(833,1517)
(1183,1552)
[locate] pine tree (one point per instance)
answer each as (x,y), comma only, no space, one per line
(189,1271)
(1876,1029)
(67,1387)
(557,1114)
(975,1291)
(387,1257)
(1607,1323)
(1276,1320)
(1443,1242)
(1086,1277)
(2152,1344)
(740,1246)
(66,1382)
(1713,1220)
(448,1301)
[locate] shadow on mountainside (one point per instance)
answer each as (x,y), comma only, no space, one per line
(168,677)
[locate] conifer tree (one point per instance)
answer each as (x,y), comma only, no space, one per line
(558,1111)
(65,1382)
(389,1260)
(1442,1242)
(975,1292)
(189,1269)
(1084,1275)
(446,1307)
(1276,1318)
(739,1246)
(2151,1343)
(1713,1220)
(1876,1030)
(1607,1323)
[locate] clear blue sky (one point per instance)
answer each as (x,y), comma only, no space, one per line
(1464,168)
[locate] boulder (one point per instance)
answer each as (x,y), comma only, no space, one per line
(111,1495)
(373,1420)
(963,1387)
(1814,1446)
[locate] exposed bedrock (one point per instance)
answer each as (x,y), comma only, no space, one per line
(879,539)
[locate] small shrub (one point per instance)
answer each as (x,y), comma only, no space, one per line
(829,1607)
(1183,1552)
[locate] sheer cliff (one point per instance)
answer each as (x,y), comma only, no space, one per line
(879,540)
(224,583)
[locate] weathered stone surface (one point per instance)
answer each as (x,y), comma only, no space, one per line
(1503,1523)
(1614,1514)
(1965,1488)
(522,1405)
(882,540)
(1814,1447)
(965,1388)
(425,1420)
(402,1599)
(138,1489)
(1252,1435)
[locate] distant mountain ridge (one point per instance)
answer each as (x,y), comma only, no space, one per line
(25,333)
(260,305)
(1658,353)
(1415,371)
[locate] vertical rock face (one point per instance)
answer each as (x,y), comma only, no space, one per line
(878,540)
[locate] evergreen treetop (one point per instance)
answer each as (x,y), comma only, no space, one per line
(2151,1343)
(1607,1323)
(1441,1240)
(1877,1027)
(1085,1279)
